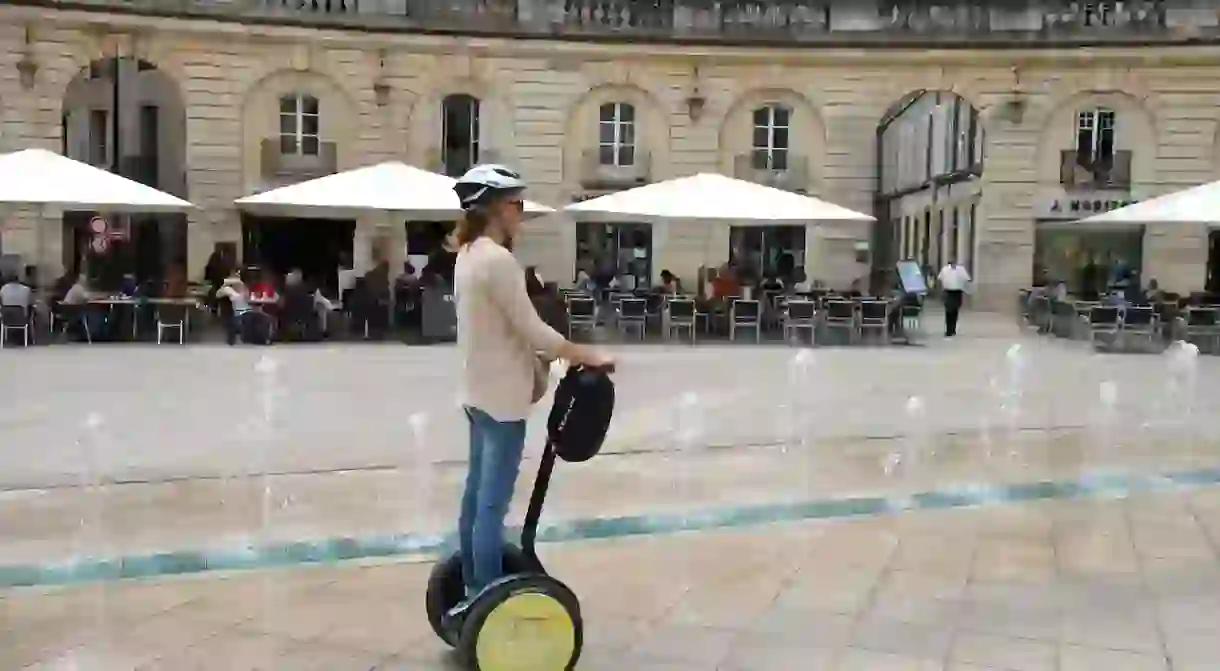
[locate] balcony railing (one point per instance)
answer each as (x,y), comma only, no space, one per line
(598,174)
(957,22)
(1112,16)
(792,175)
(1080,172)
(279,169)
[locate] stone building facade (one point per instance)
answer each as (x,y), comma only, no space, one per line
(379,89)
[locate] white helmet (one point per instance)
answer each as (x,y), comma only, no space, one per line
(483,182)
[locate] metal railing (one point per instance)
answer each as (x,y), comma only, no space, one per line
(1083,172)
(816,21)
(792,175)
(596,172)
(280,169)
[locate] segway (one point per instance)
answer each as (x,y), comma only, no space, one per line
(528,620)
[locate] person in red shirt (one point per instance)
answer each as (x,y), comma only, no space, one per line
(262,285)
(726,283)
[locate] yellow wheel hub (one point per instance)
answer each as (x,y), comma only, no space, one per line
(526,632)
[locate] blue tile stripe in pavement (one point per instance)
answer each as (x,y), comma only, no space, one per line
(428,546)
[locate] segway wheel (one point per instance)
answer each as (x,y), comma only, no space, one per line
(446,588)
(523,623)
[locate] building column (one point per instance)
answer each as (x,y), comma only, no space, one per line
(36,235)
(1004,233)
(362,242)
(1176,256)
(390,243)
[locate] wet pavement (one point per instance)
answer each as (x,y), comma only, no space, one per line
(961,505)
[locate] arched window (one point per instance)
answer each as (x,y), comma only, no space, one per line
(299,125)
(460,133)
(772,124)
(616,134)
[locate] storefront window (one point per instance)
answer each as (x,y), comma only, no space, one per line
(767,251)
(1088,262)
(619,252)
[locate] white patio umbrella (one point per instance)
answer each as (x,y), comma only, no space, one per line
(1200,204)
(41,177)
(713,197)
(392,186)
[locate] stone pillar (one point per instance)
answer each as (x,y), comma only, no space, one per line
(1176,256)
(362,242)
(392,242)
(37,236)
(1004,235)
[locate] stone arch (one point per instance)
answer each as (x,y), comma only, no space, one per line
(581,127)
(426,125)
(920,206)
(1135,131)
(148,144)
(337,116)
(142,83)
(808,133)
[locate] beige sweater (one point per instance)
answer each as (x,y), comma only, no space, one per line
(499,332)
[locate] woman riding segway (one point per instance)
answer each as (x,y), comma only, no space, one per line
(505,349)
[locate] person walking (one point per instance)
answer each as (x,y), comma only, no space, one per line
(953,280)
(505,349)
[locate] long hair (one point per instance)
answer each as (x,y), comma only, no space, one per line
(471,227)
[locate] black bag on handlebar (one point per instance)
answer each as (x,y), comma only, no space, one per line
(580,416)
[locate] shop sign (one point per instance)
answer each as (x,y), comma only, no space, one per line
(1077,208)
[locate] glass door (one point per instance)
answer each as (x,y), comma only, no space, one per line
(619,252)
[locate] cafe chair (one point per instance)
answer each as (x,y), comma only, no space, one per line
(582,314)
(14,318)
(745,314)
(171,317)
(633,316)
(1140,322)
(875,316)
(681,314)
(800,316)
(1103,320)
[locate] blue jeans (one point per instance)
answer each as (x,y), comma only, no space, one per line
(495,460)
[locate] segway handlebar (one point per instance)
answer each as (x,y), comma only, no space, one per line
(606,369)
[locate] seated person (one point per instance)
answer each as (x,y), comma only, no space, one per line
(16,294)
(1152,294)
(304,308)
(175,284)
(585,284)
(78,292)
(77,299)
(262,286)
(670,284)
(725,283)
(772,284)
(128,285)
(238,295)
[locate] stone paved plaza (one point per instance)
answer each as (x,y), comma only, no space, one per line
(1038,507)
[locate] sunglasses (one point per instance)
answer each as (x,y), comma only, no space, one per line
(518,204)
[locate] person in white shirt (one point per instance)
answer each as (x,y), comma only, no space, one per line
(16,294)
(78,294)
(953,280)
(239,297)
(347,276)
(499,337)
